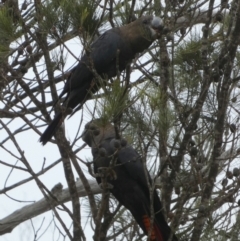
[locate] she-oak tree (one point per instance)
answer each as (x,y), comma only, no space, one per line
(177,103)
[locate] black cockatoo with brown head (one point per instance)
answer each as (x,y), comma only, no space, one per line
(129,181)
(107,56)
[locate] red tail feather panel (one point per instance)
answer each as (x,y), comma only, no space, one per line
(156,234)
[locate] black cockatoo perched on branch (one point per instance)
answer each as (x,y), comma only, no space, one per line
(128,180)
(107,56)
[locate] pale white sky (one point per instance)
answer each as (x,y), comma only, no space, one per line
(35,154)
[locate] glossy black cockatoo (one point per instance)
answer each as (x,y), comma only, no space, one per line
(127,178)
(107,56)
